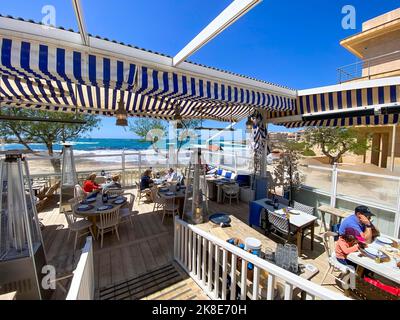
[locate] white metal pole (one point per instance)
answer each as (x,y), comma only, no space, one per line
(123,167)
(334,185)
(393,147)
(140,164)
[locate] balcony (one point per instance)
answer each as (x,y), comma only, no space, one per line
(382,66)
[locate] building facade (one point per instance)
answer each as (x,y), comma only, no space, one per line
(378,47)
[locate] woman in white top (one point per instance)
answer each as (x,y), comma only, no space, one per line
(171,175)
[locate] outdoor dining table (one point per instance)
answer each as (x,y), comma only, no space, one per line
(93,214)
(177,196)
(300,221)
(387,270)
(240,230)
(336,215)
(218,182)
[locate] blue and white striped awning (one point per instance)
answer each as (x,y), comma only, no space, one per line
(61,96)
(344,100)
(179,86)
(46,75)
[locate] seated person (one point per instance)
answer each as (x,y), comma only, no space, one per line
(146,181)
(360,221)
(171,175)
(346,244)
(113,184)
(89,185)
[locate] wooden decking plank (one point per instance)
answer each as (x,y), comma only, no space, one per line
(105,278)
(117,274)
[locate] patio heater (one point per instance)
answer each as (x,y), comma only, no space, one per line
(22,253)
(68,176)
(196,178)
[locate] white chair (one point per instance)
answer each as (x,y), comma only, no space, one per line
(79,193)
(347,273)
(169,207)
(80,227)
(109,221)
(126,213)
(231,192)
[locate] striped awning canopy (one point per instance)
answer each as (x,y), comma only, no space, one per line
(51,70)
(343,105)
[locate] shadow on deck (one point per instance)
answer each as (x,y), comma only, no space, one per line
(136,266)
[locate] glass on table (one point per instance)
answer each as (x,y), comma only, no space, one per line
(279,255)
(294,258)
(286,261)
(269,255)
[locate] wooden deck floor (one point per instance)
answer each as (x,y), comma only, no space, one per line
(146,248)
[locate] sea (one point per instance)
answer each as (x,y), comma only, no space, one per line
(101,146)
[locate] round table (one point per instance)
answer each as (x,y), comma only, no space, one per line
(178,196)
(92,214)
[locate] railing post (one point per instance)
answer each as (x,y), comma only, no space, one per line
(334,185)
(123,168)
(140,163)
(235,159)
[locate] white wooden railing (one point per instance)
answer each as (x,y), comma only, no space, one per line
(82,286)
(205,258)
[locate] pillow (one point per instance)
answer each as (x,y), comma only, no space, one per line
(243,180)
(212,171)
(228,174)
(233,177)
(219,172)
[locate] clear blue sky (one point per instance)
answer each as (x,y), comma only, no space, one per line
(293,43)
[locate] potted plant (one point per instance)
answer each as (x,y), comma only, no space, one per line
(286,171)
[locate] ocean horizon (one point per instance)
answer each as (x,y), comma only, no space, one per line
(83,145)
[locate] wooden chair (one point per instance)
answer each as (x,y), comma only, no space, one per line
(231,192)
(80,227)
(41,204)
(79,193)
(141,193)
(309,210)
(108,221)
(170,207)
(158,201)
(346,272)
(114,191)
(126,213)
